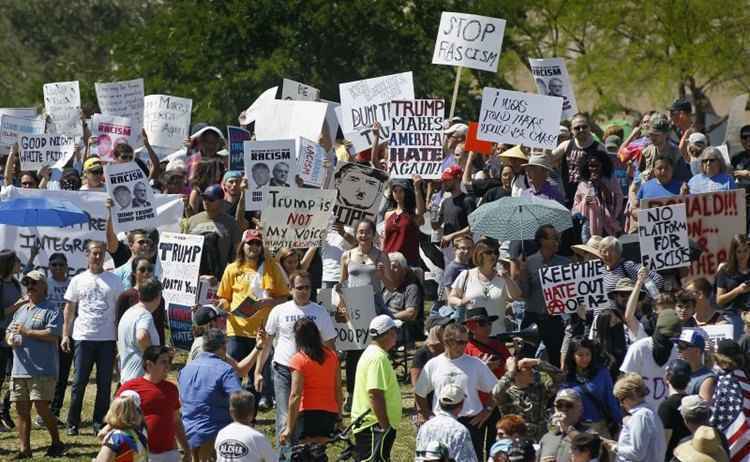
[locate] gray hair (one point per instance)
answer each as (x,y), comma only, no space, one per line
(399,258)
(213,340)
(611,242)
(697,416)
(712,152)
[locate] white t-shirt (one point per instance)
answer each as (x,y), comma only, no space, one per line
(640,359)
(491,295)
(281,321)
(331,253)
(468,372)
(240,443)
(131,357)
(96,296)
(56,292)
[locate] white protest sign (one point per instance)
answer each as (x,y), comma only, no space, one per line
(513,117)
(62,102)
(167,120)
(361,139)
(109,131)
(180,257)
(127,185)
(469,40)
(331,119)
(124,99)
(249,115)
(663,235)
(360,191)
(12,128)
(717,332)
(294,220)
(351,334)
(299,91)
(416,143)
(365,102)
(71,240)
(552,79)
(287,119)
(310,163)
(567,287)
(37,151)
(267,163)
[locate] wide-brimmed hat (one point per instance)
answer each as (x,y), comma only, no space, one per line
(705,446)
(591,247)
(479,314)
(625,285)
(514,153)
(539,160)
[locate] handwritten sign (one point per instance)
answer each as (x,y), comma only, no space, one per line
(469,40)
(360,191)
(180,257)
(568,287)
(62,101)
(351,334)
(12,128)
(37,151)
(552,79)
(712,221)
(295,221)
(109,131)
(167,120)
(362,138)
(299,91)
(513,117)
(663,235)
(416,142)
(310,163)
(123,99)
(237,136)
(267,163)
(133,198)
(365,102)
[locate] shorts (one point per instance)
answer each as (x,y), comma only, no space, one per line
(168,456)
(316,423)
(32,388)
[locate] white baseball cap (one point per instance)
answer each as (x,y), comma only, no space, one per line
(451,394)
(698,138)
(132,394)
(382,324)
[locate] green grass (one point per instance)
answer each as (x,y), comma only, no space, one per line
(84,448)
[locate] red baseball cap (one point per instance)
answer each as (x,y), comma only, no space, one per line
(452,172)
(252,235)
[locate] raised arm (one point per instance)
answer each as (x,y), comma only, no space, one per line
(155,169)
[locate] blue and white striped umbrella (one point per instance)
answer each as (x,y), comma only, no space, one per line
(518,218)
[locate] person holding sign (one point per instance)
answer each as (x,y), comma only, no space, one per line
(207,141)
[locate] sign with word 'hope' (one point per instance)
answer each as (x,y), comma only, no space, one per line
(566,288)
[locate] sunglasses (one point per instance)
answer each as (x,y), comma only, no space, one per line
(708,161)
(146,269)
(29,283)
(97,172)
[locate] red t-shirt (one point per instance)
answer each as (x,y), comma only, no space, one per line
(159,402)
(493,347)
(319,386)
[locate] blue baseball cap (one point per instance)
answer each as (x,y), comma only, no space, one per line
(692,337)
(213,193)
(231,174)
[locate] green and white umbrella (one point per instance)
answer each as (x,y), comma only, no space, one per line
(518,218)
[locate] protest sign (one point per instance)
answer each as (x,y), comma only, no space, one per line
(249,115)
(474,144)
(469,40)
(37,151)
(663,235)
(552,79)
(714,333)
(267,163)
(361,139)
(513,117)
(568,287)
(286,119)
(180,257)
(712,221)
(109,131)
(360,303)
(365,102)
(167,120)
(297,221)
(310,163)
(71,240)
(416,142)
(237,136)
(331,120)
(180,318)
(360,191)
(133,198)
(62,102)
(12,128)
(299,91)
(124,99)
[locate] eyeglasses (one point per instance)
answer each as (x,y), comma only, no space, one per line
(580,128)
(708,161)
(97,172)
(302,288)
(146,269)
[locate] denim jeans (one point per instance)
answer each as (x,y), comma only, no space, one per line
(86,355)
(239,347)
(282,387)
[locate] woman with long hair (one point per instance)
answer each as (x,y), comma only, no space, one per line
(315,399)
(598,199)
(142,270)
(733,281)
(586,374)
(404,216)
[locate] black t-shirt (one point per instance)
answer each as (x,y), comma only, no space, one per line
(454,212)
(421,357)
(728,282)
(741,161)
(672,419)
(494,194)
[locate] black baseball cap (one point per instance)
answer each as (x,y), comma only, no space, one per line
(206,314)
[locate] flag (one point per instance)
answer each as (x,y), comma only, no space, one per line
(731,411)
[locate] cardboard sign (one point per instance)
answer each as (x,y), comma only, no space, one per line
(237,136)
(267,163)
(297,221)
(124,99)
(286,119)
(360,191)
(552,79)
(12,128)
(310,160)
(62,102)
(416,143)
(133,198)
(180,257)
(712,220)
(365,102)
(110,131)
(469,40)
(167,120)
(299,91)
(717,332)
(474,144)
(360,303)
(180,319)
(663,235)
(249,115)
(568,287)
(513,117)
(72,240)
(361,139)
(37,151)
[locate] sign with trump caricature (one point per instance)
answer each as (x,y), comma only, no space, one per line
(360,191)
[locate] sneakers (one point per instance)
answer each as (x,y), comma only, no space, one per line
(264,404)
(39,422)
(56,450)
(72,430)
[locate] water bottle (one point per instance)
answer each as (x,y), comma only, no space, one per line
(651,288)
